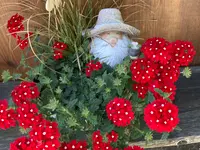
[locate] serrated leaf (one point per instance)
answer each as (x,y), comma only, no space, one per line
(63,79)
(92,119)
(85,112)
(164,136)
(72,103)
(58,90)
(16,76)
(178,128)
(148,136)
(187,72)
(117,82)
(150,97)
(107,127)
(53,103)
(45,80)
(72,122)
(100,82)
(6,76)
(23,131)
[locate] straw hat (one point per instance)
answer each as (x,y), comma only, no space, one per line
(110,19)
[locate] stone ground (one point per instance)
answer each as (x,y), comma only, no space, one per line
(187,99)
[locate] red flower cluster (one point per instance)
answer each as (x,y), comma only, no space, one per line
(15,24)
(134,148)
(98,144)
(120,112)
(143,70)
(74,145)
(183,52)
(7,116)
(161,116)
(25,92)
(23,143)
(92,66)
(58,48)
(160,66)
(46,135)
(27,115)
(112,136)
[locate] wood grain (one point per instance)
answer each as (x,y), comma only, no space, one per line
(171,19)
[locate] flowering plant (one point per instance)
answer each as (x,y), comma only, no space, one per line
(71,101)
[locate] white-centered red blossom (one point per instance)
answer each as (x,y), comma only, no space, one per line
(74,145)
(46,135)
(23,143)
(7,116)
(161,116)
(112,136)
(166,87)
(25,92)
(28,116)
(92,66)
(157,50)
(119,111)
(168,73)
(58,48)
(15,24)
(183,52)
(141,89)
(143,70)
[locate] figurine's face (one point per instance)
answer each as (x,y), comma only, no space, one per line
(111,37)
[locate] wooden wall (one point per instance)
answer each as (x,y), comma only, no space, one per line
(171,19)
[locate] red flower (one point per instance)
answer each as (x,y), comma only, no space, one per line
(91,66)
(27,115)
(166,87)
(22,143)
(57,55)
(133,148)
(183,53)
(97,140)
(59,46)
(88,72)
(74,145)
(143,70)
(141,89)
(15,24)
(168,73)
(46,133)
(106,146)
(7,116)
(25,92)
(157,50)
(23,43)
(112,136)
(161,116)
(120,112)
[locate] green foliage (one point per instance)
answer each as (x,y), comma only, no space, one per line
(165,136)
(6,76)
(187,72)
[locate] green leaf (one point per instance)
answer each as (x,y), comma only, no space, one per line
(63,79)
(37,70)
(6,76)
(72,122)
(85,112)
(148,136)
(72,103)
(58,90)
(16,76)
(100,82)
(45,80)
(120,69)
(107,127)
(163,94)
(92,119)
(164,136)
(187,72)
(23,131)
(52,104)
(117,82)
(178,128)
(150,97)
